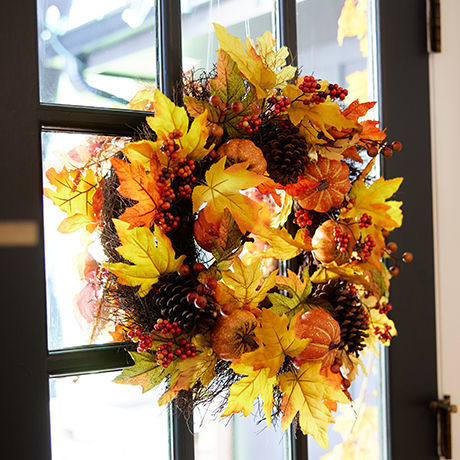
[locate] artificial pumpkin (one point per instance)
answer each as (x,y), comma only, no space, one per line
(325,246)
(324,332)
(326,184)
(233,335)
(240,150)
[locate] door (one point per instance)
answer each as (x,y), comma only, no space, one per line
(32,120)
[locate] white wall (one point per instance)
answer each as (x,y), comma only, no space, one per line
(445,122)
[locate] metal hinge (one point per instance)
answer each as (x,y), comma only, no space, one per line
(444,409)
(433,8)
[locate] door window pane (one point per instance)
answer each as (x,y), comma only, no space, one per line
(72,258)
(337,42)
(95,53)
(93,418)
(240,17)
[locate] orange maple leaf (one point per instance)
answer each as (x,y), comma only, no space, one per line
(137,185)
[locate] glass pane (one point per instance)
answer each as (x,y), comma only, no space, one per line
(240,17)
(337,42)
(92,418)
(237,437)
(71,259)
(95,54)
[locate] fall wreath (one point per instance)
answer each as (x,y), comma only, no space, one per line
(197,216)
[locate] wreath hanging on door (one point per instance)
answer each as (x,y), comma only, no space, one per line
(198,215)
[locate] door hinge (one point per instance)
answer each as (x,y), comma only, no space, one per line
(433,8)
(444,409)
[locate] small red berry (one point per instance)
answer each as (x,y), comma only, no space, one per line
(387,152)
(396,146)
(211,284)
(198,267)
(408,257)
(214,100)
(192,296)
(201,302)
(394,271)
(236,107)
(184,270)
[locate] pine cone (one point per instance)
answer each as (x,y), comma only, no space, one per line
(348,312)
(285,151)
(169,300)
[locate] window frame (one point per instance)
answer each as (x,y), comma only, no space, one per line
(28,363)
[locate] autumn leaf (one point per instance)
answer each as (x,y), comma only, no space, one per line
(304,394)
(143,152)
(221,191)
(137,185)
(371,199)
(74,194)
(150,253)
(298,294)
(371,132)
(186,373)
(250,64)
(282,245)
(169,117)
(357,84)
(145,372)
(353,23)
(276,341)
(76,222)
(323,116)
(142,100)
(244,392)
(246,281)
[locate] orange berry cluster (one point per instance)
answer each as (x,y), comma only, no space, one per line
(170,146)
(366,247)
(184,171)
(374,148)
(303,218)
(385,308)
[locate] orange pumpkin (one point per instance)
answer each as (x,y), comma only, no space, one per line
(233,335)
(324,244)
(324,332)
(332,184)
(240,150)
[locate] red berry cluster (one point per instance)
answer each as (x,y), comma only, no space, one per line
(278,104)
(303,218)
(164,354)
(184,171)
(186,350)
(342,239)
(165,327)
(198,297)
(309,84)
(337,92)
(366,247)
(385,308)
(383,334)
(250,124)
(144,341)
(170,146)
(365,221)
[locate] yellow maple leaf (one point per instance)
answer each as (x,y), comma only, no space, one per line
(169,117)
(305,393)
(372,200)
(276,341)
(151,254)
(143,152)
(353,23)
(282,245)
(244,392)
(74,190)
(246,281)
(323,116)
(222,191)
(254,66)
(186,373)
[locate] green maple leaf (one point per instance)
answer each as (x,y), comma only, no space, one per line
(145,372)
(298,294)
